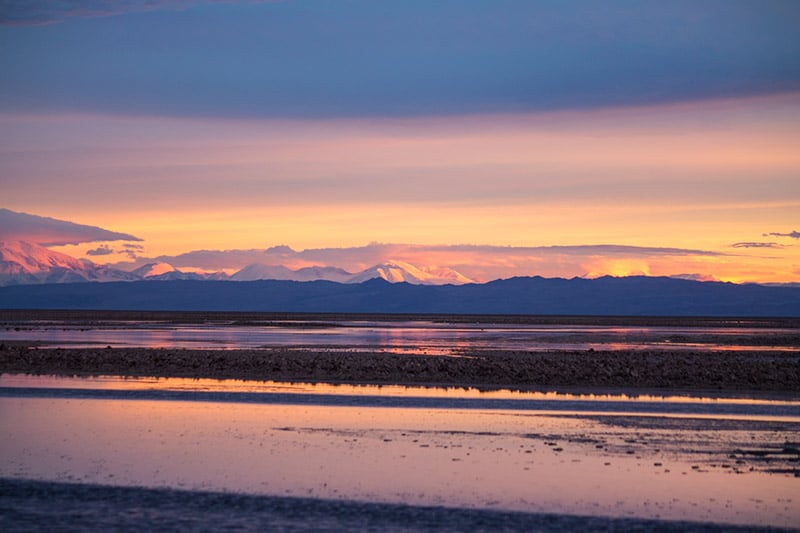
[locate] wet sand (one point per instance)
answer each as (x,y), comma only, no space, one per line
(770,360)
(256,454)
(644,464)
(620,369)
(309,459)
(84,507)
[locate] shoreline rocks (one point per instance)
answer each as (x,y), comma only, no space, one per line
(630,369)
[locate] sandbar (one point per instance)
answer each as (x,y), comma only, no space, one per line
(622,369)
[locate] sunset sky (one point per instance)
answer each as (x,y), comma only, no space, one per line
(500,138)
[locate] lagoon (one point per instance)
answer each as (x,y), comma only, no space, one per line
(678,457)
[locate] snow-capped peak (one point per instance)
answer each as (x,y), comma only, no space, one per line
(447,275)
(153,269)
(23,263)
(395,271)
(21,256)
(258,271)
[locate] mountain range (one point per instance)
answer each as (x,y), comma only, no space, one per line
(33,276)
(25,263)
(632,296)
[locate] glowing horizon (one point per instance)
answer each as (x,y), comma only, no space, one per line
(648,158)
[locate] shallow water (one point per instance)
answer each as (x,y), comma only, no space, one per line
(30,505)
(417,337)
(695,404)
(724,460)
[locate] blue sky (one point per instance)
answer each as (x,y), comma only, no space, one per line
(308,58)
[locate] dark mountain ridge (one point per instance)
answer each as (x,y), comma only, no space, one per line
(634,296)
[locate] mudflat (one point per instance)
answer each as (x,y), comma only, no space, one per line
(617,429)
(631,353)
(724,371)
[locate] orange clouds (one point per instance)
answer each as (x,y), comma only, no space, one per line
(702,175)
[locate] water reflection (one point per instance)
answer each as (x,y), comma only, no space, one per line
(534,463)
(418,337)
(271,392)
(238,385)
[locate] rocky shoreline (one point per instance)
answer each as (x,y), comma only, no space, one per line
(636,370)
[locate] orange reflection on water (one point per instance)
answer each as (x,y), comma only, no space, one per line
(527,462)
(237,385)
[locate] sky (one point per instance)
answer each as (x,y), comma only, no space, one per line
(500,138)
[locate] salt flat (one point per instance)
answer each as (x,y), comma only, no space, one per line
(390,423)
(639,462)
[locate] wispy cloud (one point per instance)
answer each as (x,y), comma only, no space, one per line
(47,231)
(791,234)
(756,245)
(102,250)
(132,250)
(480,262)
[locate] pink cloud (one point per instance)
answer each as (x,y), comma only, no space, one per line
(482,263)
(47,231)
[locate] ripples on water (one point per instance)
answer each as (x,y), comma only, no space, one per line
(418,337)
(358,456)
(609,456)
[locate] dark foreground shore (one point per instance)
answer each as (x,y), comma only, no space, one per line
(37,505)
(713,371)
